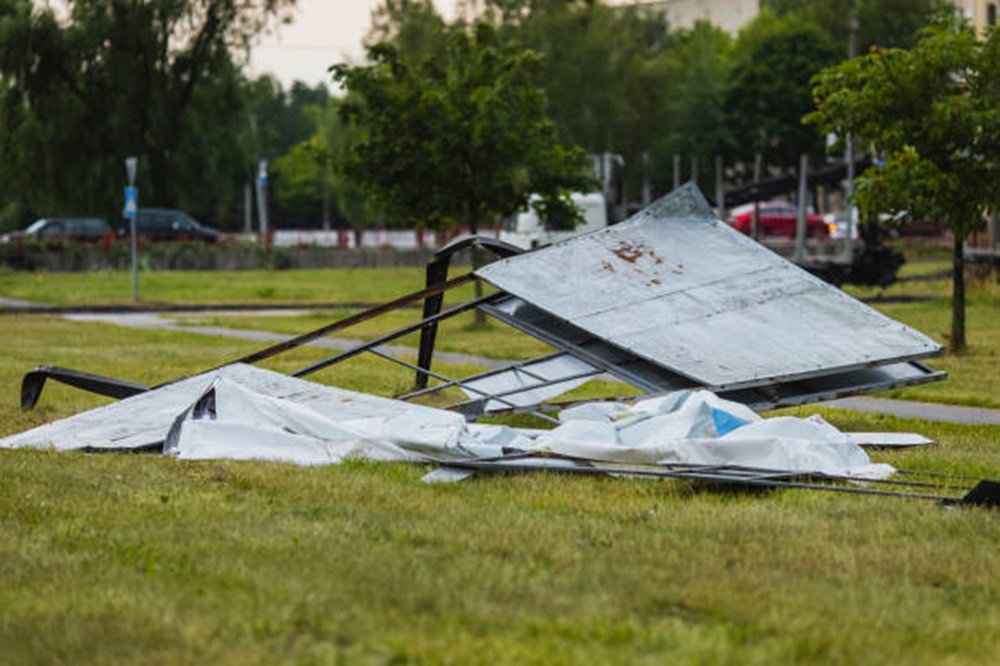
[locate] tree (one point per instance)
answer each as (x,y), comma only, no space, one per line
(932,113)
(884,23)
(605,72)
(463,139)
(697,83)
(414,27)
(773,63)
(309,179)
(116,78)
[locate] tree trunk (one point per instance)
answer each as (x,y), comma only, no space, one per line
(958,297)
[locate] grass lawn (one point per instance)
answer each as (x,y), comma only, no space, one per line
(974,376)
(121,559)
(340,286)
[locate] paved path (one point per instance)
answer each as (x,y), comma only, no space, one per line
(927,411)
(155,321)
(15,304)
(901,408)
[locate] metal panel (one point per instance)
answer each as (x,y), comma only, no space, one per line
(678,287)
(575,341)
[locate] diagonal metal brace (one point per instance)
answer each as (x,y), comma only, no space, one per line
(34,381)
(437,274)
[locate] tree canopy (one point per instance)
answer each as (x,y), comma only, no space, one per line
(164,80)
(931,114)
(153,78)
(463,139)
(883,23)
(775,57)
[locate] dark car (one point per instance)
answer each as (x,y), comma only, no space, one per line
(79,229)
(777,219)
(167,224)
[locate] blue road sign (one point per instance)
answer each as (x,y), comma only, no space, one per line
(131,202)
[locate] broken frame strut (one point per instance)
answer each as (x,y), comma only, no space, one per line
(984,493)
(33,381)
(658,273)
(432,296)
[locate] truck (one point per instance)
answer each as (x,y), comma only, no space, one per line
(525,230)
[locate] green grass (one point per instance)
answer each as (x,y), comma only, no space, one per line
(973,376)
(119,559)
(347,285)
(130,558)
(457,334)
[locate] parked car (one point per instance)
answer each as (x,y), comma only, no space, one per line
(776,219)
(79,229)
(896,225)
(838,224)
(166,224)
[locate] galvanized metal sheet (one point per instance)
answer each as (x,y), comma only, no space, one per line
(678,287)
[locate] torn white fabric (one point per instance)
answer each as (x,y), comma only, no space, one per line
(243,412)
(300,406)
(233,422)
(698,427)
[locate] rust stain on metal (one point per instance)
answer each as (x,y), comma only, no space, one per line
(607,265)
(632,253)
(627,252)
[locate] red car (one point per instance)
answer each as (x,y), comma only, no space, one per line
(776,219)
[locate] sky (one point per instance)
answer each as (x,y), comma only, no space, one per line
(324,32)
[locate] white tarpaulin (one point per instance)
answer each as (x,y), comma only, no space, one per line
(243,412)
(698,427)
(234,421)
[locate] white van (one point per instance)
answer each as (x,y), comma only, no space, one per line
(526,231)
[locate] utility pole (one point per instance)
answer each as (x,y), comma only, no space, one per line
(758,169)
(720,195)
(800,221)
(326,193)
(852,51)
(247,210)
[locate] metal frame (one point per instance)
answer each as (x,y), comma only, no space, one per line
(594,355)
(954,490)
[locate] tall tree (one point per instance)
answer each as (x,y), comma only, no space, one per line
(774,59)
(414,27)
(310,178)
(933,114)
(465,139)
(604,72)
(697,84)
(884,23)
(116,78)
